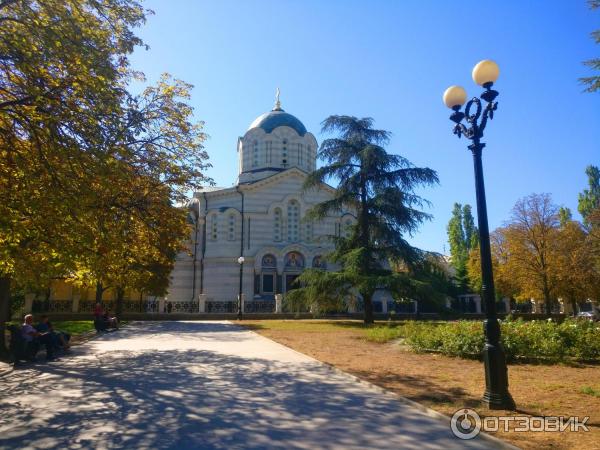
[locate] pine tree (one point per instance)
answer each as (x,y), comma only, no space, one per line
(380,188)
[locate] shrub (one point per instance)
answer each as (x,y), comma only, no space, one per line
(546,340)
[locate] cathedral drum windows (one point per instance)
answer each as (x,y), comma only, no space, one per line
(231,228)
(284,154)
(214,227)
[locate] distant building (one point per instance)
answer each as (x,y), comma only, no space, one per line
(261,218)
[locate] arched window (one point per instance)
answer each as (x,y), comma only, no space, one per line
(269,261)
(294,260)
(308,230)
(293,222)
(214,227)
(347,228)
(319,263)
(277,224)
(231,228)
(284,154)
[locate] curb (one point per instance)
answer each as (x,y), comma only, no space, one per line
(422,408)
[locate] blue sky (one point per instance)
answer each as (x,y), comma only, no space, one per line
(392,60)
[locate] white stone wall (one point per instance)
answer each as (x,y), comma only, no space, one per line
(221,270)
(259,150)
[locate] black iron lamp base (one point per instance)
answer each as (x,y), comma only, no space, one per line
(496,394)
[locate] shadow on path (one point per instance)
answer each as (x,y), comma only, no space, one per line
(203,398)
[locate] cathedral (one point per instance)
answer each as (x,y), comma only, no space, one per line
(254,237)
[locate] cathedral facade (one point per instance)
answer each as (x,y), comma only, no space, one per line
(255,237)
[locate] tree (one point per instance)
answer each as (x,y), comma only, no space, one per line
(62,73)
(576,273)
(592,83)
(564,215)
(531,242)
(462,237)
(589,199)
(89,174)
(379,188)
(503,281)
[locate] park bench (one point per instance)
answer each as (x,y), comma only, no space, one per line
(20,349)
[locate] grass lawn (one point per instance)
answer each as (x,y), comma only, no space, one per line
(445,383)
(74,327)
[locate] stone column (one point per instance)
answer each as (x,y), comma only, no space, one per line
(535,306)
(448,303)
(29,298)
(75,302)
(506,301)
(416,305)
(278,303)
(161,305)
(201,303)
(477,300)
(241,299)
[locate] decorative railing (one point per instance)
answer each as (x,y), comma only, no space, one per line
(90,305)
(213,306)
(52,306)
(259,306)
(184,307)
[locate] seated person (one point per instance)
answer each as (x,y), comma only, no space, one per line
(60,338)
(112,321)
(31,335)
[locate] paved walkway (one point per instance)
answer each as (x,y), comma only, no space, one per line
(204,385)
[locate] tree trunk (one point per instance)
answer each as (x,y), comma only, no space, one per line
(119,305)
(99,292)
(574,306)
(547,299)
(4,313)
(368,302)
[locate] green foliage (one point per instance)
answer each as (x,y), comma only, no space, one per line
(589,199)
(462,237)
(564,216)
(89,173)
(384,333)
(379,188)
(588,390)
(545,340)
(74,327)
(592,82)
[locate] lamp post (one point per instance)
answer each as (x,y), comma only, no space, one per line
(496,394)
(240,261)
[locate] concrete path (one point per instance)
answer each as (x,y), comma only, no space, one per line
(204,385)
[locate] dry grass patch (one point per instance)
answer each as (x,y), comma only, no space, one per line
(447,384)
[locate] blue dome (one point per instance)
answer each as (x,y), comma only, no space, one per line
(278,118)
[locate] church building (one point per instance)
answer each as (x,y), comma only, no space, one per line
(254,237)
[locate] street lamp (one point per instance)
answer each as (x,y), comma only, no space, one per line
(485,73)
(240,261)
